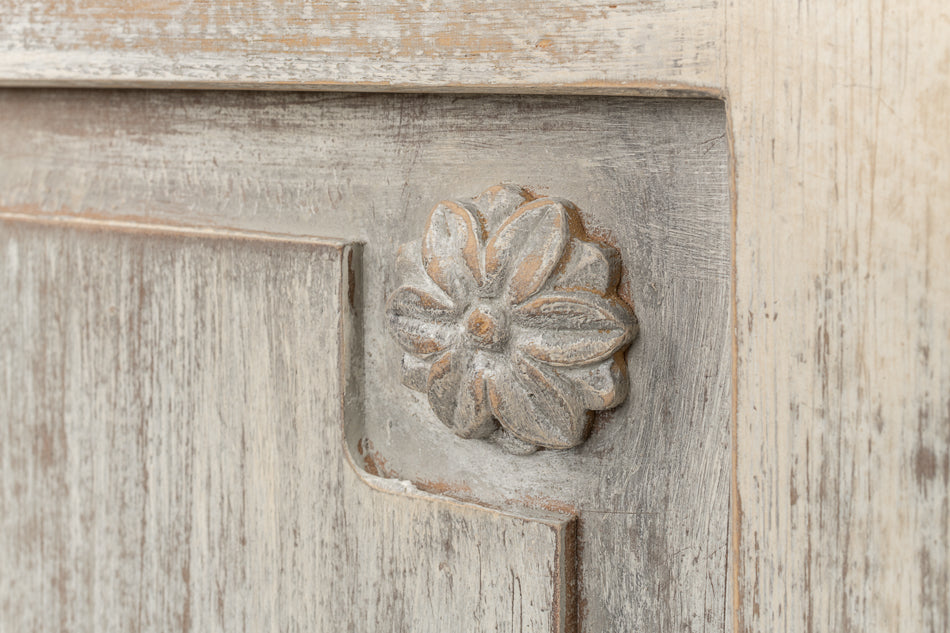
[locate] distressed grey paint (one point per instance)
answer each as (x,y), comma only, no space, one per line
(656,47)
(172,453)
(651,483)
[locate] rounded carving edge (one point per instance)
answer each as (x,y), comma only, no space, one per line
(510,322)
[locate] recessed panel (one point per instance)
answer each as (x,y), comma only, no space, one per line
(648,178)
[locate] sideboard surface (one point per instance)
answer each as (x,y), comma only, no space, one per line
(650,487)
(837,120)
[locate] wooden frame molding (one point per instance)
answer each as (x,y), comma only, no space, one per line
(512,45)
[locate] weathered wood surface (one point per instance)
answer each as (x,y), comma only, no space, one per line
(508,44)
(841,128)
(650,176)
(172,459)
(839,135)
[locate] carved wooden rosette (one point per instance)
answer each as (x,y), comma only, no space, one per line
(510,321)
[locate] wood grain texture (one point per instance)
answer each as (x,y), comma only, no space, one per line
(839,119)
(650,177)
(517,45)
(841,133)
(172,458)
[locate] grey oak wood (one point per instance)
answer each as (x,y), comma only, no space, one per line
(172,452)
(650,176)
(842,154)
(837,121)
(512,45)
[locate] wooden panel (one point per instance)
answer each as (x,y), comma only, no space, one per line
(512,45)
(841,120)
(651,484)
(172,456)
(839,131)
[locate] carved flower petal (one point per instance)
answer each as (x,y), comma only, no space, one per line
(411,272)
(600,386)
(588,266)
(451,249)
(415,372)
(536,406)
(419,322)
(497,203)
(573,328)
(458,395)
(526,248)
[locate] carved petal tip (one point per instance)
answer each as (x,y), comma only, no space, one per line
(451,249)
(457,393)
(573,328)
(536,406)
(526,248)
(419,322)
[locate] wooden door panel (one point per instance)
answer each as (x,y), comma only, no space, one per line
(172,453)
(650,486)
(837,127)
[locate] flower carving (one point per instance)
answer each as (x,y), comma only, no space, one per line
(510,322)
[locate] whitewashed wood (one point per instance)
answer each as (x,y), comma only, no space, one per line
(841,133)
(514,45)
(649,176)
(836,112)
(172,456)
